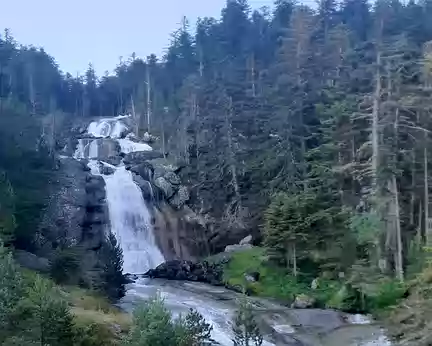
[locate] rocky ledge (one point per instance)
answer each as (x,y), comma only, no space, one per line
(211,273)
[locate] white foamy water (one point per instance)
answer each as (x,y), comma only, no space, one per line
(131,223)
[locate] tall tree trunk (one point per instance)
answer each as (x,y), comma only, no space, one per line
(426,192)
(148,97)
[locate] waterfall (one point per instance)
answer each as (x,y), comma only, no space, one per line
(129,216)
(130,223)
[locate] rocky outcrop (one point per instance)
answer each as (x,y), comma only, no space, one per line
(138,157)
(190,271)
(145,170)
(77,213)
(167,188)
(31,261)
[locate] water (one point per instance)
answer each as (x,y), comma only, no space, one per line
(131,224)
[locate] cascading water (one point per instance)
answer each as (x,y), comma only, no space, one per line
(129,216)
(131,224)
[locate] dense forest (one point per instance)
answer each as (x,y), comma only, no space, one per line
(309,127)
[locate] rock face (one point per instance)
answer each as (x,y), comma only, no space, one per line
(138,157)
(165,186)
(179,199)
(145,170)
(31,261)
(77,212)
(187,270)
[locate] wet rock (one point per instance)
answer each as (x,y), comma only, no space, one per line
(180,198)
(31,261)
(165,186)
(188,271)
(145,186)
(107,170)
(138,157)
(113,160)
(302,301)
(145,170)
(172,178)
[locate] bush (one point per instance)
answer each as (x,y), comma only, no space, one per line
(66,266)
(153,326)
(31,310)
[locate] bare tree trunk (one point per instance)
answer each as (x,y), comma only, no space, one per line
(426,192)
(233,166)
(134,116)
(375,124)
(148,97)
(294,259)
(253,75)
(398,257)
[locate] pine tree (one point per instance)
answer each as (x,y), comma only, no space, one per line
(245,328)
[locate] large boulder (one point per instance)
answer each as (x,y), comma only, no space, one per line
(172,178)
(188,271)
(162,167)
(303,301)
(237,247)
(138,157)
(167,188)
(145,170)
(180,198)
(31,261)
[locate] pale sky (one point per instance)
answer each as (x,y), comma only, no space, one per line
(77,32)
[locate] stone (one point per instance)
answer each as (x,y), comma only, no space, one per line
(148,138)
(180,198)
(252,277)
(138,157)
(303,301)
(188,271)
(172,178)
(31,261)
(165,186)
(145,170)
(246,240)
(145,186)
(113,160)
(238,247)
(106,170)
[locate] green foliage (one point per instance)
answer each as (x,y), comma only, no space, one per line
(245,328)
(66,266)
(153,326)
(7,210)
(112,281)
(31,311)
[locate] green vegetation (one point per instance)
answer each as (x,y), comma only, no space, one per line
(245,328)
(276,282)
(153,325)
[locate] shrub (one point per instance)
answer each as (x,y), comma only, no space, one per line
(154,326)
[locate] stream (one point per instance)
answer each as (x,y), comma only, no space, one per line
(130,222)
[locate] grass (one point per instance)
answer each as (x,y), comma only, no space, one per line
(273,282)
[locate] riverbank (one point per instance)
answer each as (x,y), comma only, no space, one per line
(251,272)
